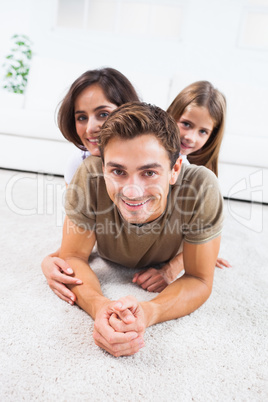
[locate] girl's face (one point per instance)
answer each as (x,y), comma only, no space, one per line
(196,126)
(91,109)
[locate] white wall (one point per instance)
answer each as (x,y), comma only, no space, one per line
(210,44)
(223,41)
(209,47)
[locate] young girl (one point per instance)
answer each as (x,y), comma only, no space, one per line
(200,112)
(84,109)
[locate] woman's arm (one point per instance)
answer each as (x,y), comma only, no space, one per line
(156,280)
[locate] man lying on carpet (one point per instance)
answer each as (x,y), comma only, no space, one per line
(138,202)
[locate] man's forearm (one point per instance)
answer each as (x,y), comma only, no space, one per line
(189,292)
(180,298)
(89,295)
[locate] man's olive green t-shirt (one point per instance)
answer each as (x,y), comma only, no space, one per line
(194,213)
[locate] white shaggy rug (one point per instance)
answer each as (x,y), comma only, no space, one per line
(218,353)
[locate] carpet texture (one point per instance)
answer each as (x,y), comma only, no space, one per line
(218,353)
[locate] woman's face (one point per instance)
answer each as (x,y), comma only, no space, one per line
(91,109)
(196,126)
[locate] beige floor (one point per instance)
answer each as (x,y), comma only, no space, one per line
(218,353)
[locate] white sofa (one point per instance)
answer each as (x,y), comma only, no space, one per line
(29,137)
(31,141)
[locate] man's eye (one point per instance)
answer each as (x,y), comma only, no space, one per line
(118,172)
(150,173)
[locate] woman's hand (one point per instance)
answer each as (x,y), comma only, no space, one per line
(221,263)
(152,280)
(156,280)
(58,274)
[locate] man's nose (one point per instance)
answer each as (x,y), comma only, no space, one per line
(132,190)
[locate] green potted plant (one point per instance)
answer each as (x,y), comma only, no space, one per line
(17,65)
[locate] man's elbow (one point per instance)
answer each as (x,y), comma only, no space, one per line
(206,288)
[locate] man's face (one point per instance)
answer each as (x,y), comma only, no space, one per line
(137,175)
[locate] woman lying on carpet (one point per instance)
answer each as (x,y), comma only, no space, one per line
(200,113)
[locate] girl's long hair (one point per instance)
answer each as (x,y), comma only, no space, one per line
(202,93)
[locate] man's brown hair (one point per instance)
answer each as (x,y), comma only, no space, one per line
(137,118)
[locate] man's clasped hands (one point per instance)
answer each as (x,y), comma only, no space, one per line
(119,326)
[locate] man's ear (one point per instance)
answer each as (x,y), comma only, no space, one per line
(175,171)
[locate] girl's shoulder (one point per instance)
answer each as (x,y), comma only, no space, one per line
(185,160)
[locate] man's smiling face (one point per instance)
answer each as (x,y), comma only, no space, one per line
(137,175)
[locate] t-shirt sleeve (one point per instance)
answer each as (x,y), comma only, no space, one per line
(80,200)
(205,221)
